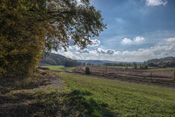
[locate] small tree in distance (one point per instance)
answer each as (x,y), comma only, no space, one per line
(87,71)
(173,77)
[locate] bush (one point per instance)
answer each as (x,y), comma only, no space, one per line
(143,67)
(87,71)
(173,77)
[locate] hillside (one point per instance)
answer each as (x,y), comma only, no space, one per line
(57,59)
(165,59)
(96,62)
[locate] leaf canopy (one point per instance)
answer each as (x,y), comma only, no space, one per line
(29,27)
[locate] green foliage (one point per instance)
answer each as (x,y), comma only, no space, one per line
(87,71)
(29,27)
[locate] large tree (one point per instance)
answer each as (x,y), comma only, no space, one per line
(29,27)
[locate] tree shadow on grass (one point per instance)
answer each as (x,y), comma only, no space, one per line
(74,103)
(86,106)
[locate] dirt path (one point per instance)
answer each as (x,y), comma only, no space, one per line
(55,81)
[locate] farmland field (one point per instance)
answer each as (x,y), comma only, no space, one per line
(154,76)
(116,98)
(60,92)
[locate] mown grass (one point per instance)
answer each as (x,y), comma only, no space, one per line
(123,99)
(55,68)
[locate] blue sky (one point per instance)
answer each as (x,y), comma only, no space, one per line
(137,30)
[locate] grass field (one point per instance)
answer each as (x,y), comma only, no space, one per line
(55,68)
(114,98)
(80,95)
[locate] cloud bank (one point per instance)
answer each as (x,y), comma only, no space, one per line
(164,48)
(156,2)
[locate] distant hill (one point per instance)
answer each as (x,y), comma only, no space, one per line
(102,62)
(99,62)
(166,59)
(57,59)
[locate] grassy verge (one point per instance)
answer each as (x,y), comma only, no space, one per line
(114,98)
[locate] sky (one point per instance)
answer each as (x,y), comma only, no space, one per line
(137,30)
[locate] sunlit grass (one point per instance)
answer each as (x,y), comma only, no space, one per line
(124,99)
(55,68)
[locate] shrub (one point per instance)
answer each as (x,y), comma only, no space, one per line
(173,77)
(146,66)
(87,71)
(143,66)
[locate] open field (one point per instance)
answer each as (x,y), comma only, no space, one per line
(55,93)
(116,98)
(149,76)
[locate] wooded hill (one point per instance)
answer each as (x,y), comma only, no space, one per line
(165,59)
(57,59)
(162,62)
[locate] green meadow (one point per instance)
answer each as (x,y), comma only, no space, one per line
(55,67)
(116,98)
(74,95)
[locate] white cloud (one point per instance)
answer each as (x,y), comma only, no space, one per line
(95,42)
(156,2)
(84,51)
(127,41)
(136,40)
(171,40)
(164,48)
(139,39)
(102,51)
